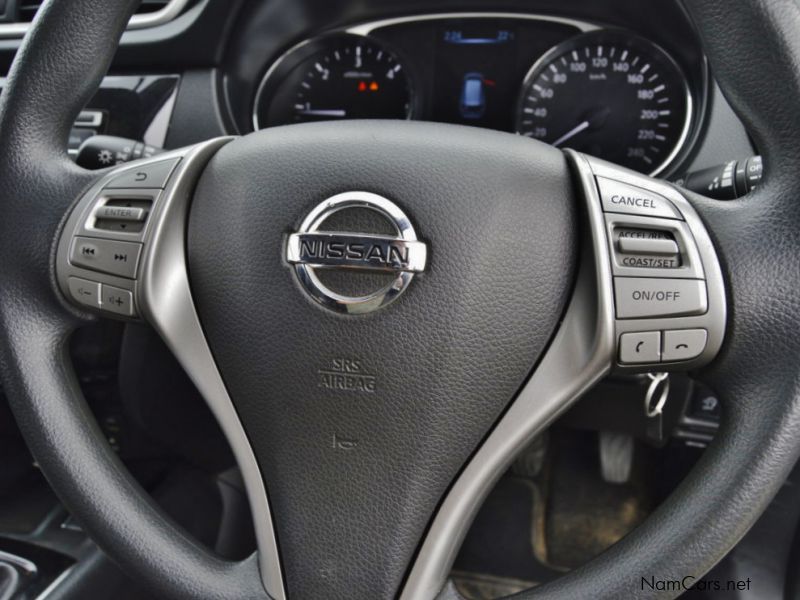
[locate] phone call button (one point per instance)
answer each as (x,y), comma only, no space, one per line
(640,347)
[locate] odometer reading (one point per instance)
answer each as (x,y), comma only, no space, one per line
(610,95)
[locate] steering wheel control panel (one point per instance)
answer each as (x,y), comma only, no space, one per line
(668,294)
(101,248)
(669,301)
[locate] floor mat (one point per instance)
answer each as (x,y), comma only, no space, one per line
(503,538)
(585,514)
(476,586)
(531,530)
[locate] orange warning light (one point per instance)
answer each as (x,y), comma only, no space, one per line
(373,87)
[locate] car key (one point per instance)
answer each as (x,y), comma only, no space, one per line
(654,400)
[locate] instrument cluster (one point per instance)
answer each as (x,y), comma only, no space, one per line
(605,91)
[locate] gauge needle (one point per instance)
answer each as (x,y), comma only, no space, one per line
(571,133)
(318,112)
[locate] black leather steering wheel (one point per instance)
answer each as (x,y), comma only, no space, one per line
(361,485)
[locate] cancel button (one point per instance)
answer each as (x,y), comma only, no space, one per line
(640,297)
(620,197)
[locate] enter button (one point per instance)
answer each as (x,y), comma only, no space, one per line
(641,297)
(684,344)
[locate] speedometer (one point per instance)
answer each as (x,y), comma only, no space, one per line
(609,94)
(333,78)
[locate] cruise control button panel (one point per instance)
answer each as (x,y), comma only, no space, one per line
(668,293)
(104,241)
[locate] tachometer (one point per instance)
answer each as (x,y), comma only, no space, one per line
(333,78)
(609,94)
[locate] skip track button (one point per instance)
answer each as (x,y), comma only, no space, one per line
(107,256)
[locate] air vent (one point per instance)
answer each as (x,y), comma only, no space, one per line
(148,6)
(150,13)
(28,9)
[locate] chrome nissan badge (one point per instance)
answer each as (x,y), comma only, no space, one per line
(316,250)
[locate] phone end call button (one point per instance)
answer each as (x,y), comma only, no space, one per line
(684,344)
(640,347)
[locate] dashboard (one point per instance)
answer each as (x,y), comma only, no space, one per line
(604,90)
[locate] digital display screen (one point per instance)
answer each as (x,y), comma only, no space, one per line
(475,79)
(470,70)
(497,36)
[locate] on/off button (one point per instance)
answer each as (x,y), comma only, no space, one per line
(640,297)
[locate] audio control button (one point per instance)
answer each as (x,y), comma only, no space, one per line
(84,291)
(151,175)
(117,300)
(106,256)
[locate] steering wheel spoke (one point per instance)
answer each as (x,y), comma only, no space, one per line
(659,312)
(122,254)
(669,295)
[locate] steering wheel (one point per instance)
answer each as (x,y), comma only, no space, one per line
(373,385)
